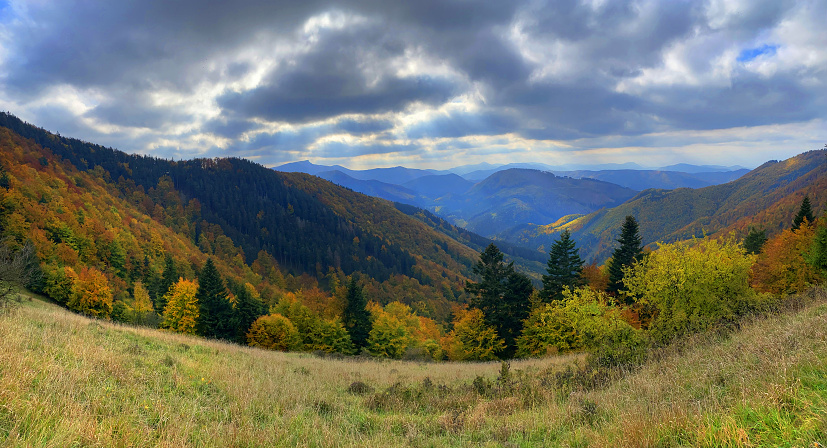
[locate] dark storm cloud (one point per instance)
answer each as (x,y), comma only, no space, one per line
(545,70)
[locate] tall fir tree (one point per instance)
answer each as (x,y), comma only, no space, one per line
(565,268)
(356,316)
(215,318)
(629,251)
(503,295)
(755,240)
(168,279)
(805,212)
(247,309)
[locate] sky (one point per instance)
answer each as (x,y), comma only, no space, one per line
(427,84)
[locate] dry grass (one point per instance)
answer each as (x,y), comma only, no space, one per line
(69,381)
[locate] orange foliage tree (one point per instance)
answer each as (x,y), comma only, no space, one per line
(92,296)
(781,267)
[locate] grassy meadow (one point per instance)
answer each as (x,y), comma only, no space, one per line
(66,380)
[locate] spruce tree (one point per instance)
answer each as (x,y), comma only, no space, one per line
(215,317)
(502,295)
(564,268)
(755,240)
(804,212)
(356,317)
(629,251)
(247,309)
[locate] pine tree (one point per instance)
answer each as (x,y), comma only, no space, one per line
(564,268)
(805,212)
(215,310)
(356,317)
(755,240)
(629,251)
(168,279)
(502,295)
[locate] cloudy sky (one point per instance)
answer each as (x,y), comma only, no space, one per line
(424,83)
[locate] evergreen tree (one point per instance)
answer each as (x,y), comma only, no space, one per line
(629,251)
(804,212)
(215,311)
(168,279)
(564,268)
(502,295)
(817,256)
(755,240)
(248,308)
(356,317)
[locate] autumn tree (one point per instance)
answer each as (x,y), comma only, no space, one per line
(693,285)
(356,317)
(583,320)
(471,338)
(93,296)
(629,251)
(168,278)
(141,304)
(502,295)
(805,213)
(215,317)
(564,268)
(274,332)
(781,267)
(181,312)
(755,240)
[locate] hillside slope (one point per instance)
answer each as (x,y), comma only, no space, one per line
(307,224)
(767,197)
(67,380)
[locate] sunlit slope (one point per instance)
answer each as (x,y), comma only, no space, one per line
(767,196)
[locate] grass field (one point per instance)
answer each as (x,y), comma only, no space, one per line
(66,380)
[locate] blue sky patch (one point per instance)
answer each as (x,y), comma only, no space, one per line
(749,54)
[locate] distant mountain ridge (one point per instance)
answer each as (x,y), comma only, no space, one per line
(768,197)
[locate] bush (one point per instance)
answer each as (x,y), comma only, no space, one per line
(583,320)
(693,285)
(274,332)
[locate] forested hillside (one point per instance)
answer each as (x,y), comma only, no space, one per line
(767,197)
(304,228)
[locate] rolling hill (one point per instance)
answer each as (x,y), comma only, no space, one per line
(767,196)
(527,196)
(235,210)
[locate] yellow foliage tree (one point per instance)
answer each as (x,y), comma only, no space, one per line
(692,285)
(92,296)
(471,339)
(141,304)
(274,332)
(181,312)
(583,320)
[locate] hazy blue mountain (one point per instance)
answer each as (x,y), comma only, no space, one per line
(384,190)
(667,180)
(516,195)
(688,168)
(436,186)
